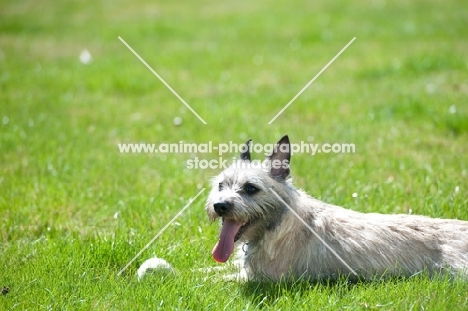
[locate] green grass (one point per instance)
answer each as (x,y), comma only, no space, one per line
(74,211)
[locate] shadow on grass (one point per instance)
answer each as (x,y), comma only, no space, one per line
(269,292)
(264,294)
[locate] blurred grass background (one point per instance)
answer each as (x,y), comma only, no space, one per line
(73,210)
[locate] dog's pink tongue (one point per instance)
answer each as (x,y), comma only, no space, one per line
(225,246)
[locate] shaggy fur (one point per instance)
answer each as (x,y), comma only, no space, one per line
(277,245)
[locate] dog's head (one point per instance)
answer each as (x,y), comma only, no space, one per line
(242,197)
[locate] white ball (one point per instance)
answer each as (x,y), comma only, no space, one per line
(155,265)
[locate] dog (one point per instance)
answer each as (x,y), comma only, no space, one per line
(285,234)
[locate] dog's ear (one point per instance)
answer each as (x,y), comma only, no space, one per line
(280,158)
(245,151)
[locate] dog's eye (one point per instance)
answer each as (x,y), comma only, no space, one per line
(250,189)
(220,187)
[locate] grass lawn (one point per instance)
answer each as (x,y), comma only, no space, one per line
(74,211)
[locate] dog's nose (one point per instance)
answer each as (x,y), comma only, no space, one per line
(222,207)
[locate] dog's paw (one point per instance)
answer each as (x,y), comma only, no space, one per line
(240,277)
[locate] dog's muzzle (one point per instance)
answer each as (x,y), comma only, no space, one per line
(222,208)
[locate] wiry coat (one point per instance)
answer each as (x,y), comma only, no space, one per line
(365,245)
